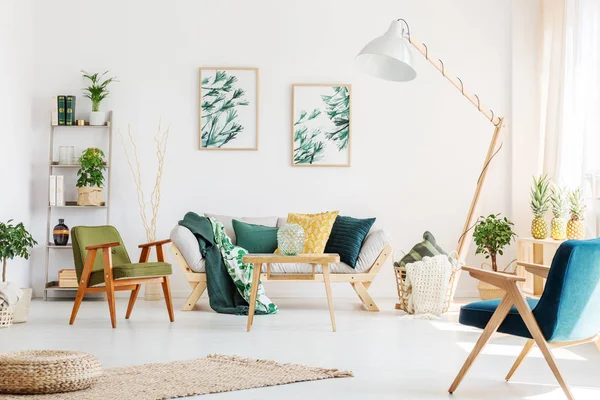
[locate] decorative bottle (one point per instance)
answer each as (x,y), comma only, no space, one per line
(61,233)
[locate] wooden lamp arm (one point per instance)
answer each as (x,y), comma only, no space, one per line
(103,246)
(498,279)
(536,269)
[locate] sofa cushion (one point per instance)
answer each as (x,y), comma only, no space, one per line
(426,248)
(228,225)
(347,236)
(317,228)
(255,238)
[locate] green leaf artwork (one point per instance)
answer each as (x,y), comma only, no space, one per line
(220,102)
(321,125)
(338,111)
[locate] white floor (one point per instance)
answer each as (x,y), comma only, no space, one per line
(392,357)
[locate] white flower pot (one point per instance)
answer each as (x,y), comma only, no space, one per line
(97,118)
(22,307)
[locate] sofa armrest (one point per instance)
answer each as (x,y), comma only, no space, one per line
(187,244)
(371,248)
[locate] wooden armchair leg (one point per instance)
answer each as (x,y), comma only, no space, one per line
(492,326)
(167,292)
(83,283)
(537,335)
(132,298)
(364,296)
(191,301)
(78,299)
(528,346)
(110,286)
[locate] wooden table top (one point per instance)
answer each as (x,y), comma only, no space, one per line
(300,258)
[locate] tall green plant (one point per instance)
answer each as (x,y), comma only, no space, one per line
(492,235)
(98,90)
(92,165)
(15,241)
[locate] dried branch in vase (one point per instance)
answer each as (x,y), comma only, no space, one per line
(160,139)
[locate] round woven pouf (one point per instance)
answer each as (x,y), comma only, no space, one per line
(47,371)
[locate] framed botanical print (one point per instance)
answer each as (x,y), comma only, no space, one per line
(229,108)
(321,125)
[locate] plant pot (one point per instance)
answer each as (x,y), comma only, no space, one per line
(89,196)
(489,292)
(22,306)
(97,118)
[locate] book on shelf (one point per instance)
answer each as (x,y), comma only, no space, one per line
(60,190)
(52,191)
(62,106)
(70,110)
(54,114)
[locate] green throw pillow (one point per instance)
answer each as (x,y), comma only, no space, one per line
(255,238)
(426,248)
(347,236)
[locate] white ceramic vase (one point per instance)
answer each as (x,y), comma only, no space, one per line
(97,118)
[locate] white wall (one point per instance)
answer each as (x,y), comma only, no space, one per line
(417,147)
(15,114)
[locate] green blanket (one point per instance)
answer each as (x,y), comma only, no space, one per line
(228,279)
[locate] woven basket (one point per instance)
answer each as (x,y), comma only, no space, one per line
(404,291)
(7,316)
(47,371)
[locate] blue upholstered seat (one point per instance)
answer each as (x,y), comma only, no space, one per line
(569,308)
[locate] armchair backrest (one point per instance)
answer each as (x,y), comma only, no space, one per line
(83,236)
(569,308)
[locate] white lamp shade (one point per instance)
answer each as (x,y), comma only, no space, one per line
(388,57)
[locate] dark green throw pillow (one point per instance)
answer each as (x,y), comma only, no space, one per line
(427,248)
(255,238)
(347,236)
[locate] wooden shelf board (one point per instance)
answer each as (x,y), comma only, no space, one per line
(53,165)
(81,126)
(53,246)
(54,286)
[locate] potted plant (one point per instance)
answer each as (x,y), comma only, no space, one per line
(492,235)
(90,177)
(96,92)
(15,241)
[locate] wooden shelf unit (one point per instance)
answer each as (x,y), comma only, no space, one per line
(52,285)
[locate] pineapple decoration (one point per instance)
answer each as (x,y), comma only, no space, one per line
(540,203)
(575,226)
(560,206)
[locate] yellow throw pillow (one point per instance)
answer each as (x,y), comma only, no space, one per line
(317,228)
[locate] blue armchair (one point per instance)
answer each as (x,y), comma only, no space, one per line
(567,314)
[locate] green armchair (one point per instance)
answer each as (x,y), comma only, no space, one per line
(103,265)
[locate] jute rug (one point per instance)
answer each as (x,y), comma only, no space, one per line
(213,374)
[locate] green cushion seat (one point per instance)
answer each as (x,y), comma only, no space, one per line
(135,270)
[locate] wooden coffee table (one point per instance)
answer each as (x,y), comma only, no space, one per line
(315,259)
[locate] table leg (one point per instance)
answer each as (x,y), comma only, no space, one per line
(327,281)
(253,292)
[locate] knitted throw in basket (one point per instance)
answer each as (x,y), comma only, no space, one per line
(429,278)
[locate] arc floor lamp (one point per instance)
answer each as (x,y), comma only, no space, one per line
(389,57)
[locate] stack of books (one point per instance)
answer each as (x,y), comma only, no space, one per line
(67,278)
(63,110)
(57,190)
